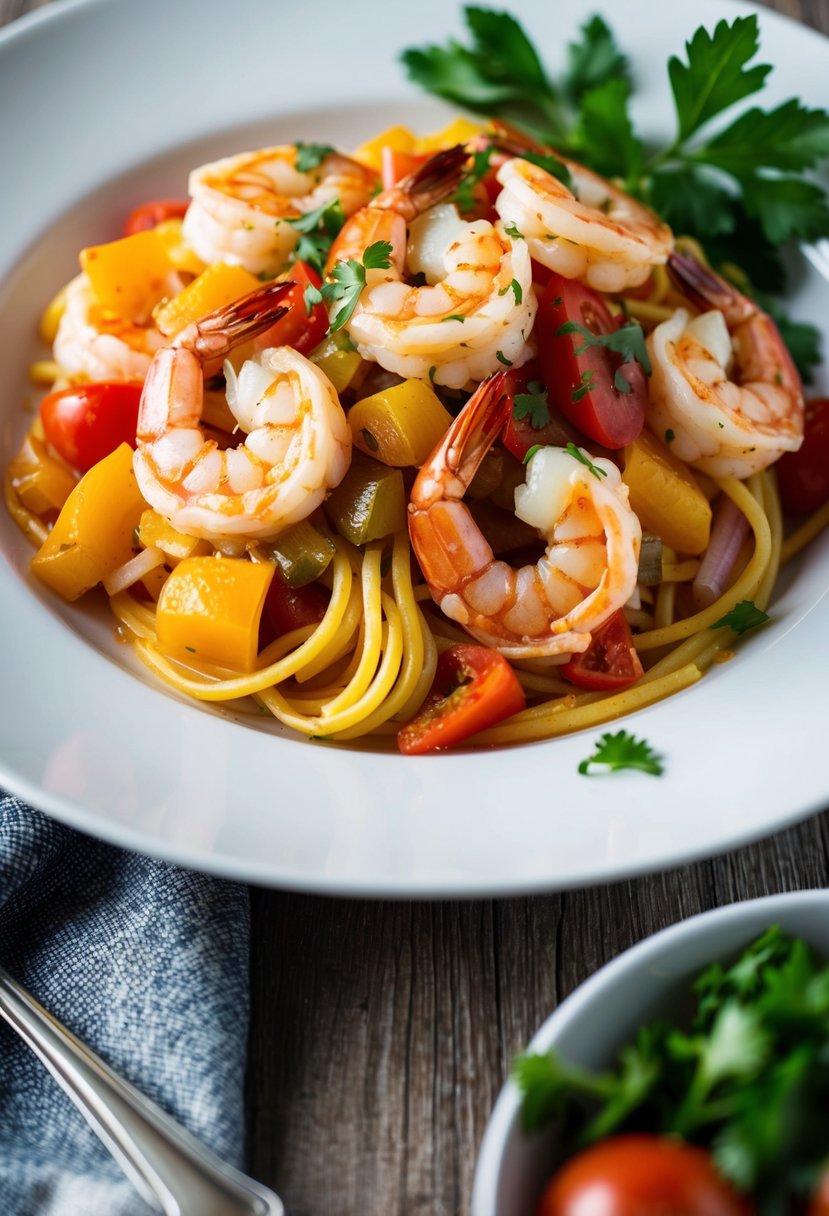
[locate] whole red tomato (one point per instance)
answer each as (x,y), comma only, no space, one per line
(641,1175)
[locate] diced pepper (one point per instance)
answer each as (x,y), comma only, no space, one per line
(93,535)
(665,495)
(337,358)
(42,483)
(399,426)
(209,611)
(369,503)
(301,554)
(397,165)
(215,287)
(128,276)
(178,251)
(154,532)
(459,131)
(401,139)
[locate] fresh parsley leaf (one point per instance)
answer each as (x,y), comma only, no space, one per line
(311,156)
(550,164)
(791,138)
(532,405)
(743,616)
(312,295)
(579,455)
(593,59)
(584,387)
(548,1085)
(528,455)
(605,128)
(512,231)
(348,279)
(317,231)
(691,199)
(628,341)
(716,76)
(786,207)
(502,358)
(623,751)
(517,291)
(464,196)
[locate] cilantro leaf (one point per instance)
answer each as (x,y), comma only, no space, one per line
(628,341)
(743,616)
(579,455)
(623,751)
(593,59)
(348,279)
(715,76)
(532,405)
(311,156)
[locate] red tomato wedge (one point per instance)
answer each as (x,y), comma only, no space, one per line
(299,328)
(610,660)
(641,1175)
(519,435)
(153,213)
(85,423)
(582,387)
(288,608)
(474,687)
(803,476)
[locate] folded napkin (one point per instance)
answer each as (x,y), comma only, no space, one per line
(148,964)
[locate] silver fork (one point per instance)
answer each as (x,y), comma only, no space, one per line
(170,1168)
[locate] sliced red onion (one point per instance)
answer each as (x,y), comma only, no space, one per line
(729,530)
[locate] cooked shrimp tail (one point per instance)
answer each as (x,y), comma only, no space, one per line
(216,335)
(432,182)
(705,289)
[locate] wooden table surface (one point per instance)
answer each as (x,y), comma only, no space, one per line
(382,1032)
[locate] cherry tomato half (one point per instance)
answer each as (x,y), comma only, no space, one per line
(85,423)
(299,328)
(602,413)
(803,476)
(288,608)
(474,687)
(610,660)
(394,166)
(641,1175)
(153,213)
(519,435)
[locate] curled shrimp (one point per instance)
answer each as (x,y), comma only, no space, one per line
(724,385)
(588,230)
(477,306)
(589,566)
(100,346)
(297,446)
(241,204)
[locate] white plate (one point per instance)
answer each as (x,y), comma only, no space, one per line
(648,981)
(111,104)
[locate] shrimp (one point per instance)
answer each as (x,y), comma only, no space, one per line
(590,564)
(100,346)
(724,386)
(241,205)
(298,443)
(589,230)
(477,306)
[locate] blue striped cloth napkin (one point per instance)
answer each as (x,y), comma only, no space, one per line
(148,964)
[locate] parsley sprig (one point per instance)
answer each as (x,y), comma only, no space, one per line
(348,278)
(628,341)
(746,1075)
(738,184)
(622,750)
(311,156)
(317,230)
(533,405)
(742,617)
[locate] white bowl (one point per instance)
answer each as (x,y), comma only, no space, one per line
(602,1014)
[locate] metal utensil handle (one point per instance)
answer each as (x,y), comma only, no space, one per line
(168,1165)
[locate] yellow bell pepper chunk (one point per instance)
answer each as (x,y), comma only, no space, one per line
(665,495)
(209,610)
(215,287)
(154,532)
(399,426)
(178,251)
(459,131)
(128,276)
(42,483)
(93,535)
(399,139)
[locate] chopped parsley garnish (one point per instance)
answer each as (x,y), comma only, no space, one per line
(579,455)
(502,358)
(743,186)
(536,447)
(517,291)
(317,230)
(455,316)
(464,196)
(512,231)
(669,436)
(349,278)
(532,405)
(311,156)
(628,341)
(432,371)
(623,751)
(584,387)
(743,616)
(311,295)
